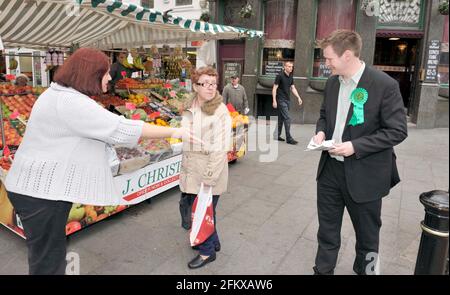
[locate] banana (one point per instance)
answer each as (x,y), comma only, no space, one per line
(13,64)
(126,64)
(137,61)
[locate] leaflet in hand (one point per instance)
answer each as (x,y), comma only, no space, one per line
(324,146)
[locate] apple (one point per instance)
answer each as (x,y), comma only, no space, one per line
(72,227)
(91,216)
(109,209)
(121,207)
(76,213)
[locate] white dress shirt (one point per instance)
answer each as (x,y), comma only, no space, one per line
(345,90)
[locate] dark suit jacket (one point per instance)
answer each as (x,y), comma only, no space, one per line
(371,171)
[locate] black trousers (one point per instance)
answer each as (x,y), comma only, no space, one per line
(283,107)
(206,248)
(332,197)
(44,224)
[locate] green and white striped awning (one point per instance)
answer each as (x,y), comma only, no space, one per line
(101,23)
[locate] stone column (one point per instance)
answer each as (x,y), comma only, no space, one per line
(252,54)
(427,94)
(304,45)
(366,26)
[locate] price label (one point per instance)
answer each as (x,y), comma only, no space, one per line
(14,115)
(130,106)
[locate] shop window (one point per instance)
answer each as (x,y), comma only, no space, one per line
(443,59)
(183,2)
(331,15)
(281,28)
(148,3)
(273,59)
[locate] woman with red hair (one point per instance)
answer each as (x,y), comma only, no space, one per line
(63,156)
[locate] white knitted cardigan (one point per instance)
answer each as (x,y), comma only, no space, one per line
(63,155)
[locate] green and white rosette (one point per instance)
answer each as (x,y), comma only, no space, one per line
(358,98)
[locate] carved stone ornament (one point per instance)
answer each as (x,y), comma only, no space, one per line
(279,43)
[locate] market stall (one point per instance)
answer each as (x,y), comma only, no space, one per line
(140,173)
(153,166)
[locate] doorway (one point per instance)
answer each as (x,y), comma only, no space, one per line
(231,60)
(398,57)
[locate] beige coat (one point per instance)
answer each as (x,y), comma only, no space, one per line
(206,162)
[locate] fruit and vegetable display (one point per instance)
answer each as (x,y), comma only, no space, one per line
(237,119)
(153,100)
(9,89)
(107,100)
(21,104)
(83,215)
(138,99)
(5,163)
(129,83)
(158,149)
(132,159)
(16,110)
(17,103)
(12,136)
(125,153)
(19,126)
(239,135)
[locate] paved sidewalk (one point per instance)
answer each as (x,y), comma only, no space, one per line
(267,222)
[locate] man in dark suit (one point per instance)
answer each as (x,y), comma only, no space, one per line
(363,113)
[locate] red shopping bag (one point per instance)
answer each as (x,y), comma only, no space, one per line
(202,217)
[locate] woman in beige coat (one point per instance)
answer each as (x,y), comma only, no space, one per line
(205,162)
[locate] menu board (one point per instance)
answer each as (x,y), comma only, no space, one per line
(273,68)
(432,61)
(231,69)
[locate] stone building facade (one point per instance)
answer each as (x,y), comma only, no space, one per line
(400,37)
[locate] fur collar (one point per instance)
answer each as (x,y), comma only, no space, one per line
(208,107)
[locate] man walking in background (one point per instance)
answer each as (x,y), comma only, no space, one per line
(284,84)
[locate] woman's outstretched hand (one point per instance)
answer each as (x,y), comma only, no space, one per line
(186,135)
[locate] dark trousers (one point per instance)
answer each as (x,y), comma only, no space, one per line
(332,197)
(283,107)
(206,248)
(44,224)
